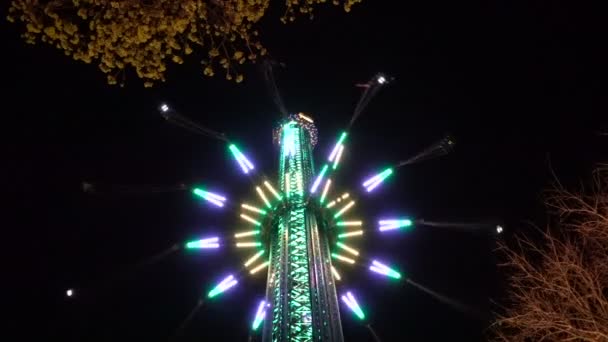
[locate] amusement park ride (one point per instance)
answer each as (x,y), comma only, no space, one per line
(301,230)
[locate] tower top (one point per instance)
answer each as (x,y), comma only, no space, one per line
(304,120)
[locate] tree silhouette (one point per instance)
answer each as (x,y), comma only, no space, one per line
(559,287)
(146,34)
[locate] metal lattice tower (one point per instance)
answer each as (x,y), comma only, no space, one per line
(300,288)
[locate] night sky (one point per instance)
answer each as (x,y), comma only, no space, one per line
(518,84)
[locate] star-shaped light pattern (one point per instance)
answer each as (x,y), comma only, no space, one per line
(336,208)
(346,230)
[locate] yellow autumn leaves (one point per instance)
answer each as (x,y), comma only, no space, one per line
(146,35)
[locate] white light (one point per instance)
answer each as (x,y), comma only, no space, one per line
(305,117)
(164,107)
(69,292)
(381,79)
(499,229)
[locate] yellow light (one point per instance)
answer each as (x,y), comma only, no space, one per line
(325,189)
(272,190)
(259,267)
(249,233)
(305,117)
(252,208)
(253,258)
(344,209)
(350,223)
(248,244)
(349,234)
(348,249)
(250,219)
(338,200)
(343,258)
(336,274)
(262,196)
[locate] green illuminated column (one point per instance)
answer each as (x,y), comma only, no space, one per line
(300,286)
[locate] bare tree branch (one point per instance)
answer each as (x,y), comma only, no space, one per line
(559,284)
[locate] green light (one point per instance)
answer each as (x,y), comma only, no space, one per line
(224,285)
(344,209)
(317,182)
(349,234)
(325,190)
(250,219)
(347,248)
(338,156)
(254,209)
(351,302)
(342,137)
(384,270)
(348,223)
(342,258)
(244,234)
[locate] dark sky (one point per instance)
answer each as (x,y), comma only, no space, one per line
(517,83)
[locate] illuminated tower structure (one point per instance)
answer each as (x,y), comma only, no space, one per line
(300,287)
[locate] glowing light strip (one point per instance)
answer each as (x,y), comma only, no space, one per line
(215,196)
(347,248)
(374,185)
(344,196)
(394,224)
(259,315)
(352,304)
(254,209)
(376,180)
(224,285)
(349,223)
(349,234)
(334,151)
(259,267)
(342,258)
(338,156)
(254,258)
(248,244)
(244,167)
(245,164)
(250,219)
(287,189)
(204,243)
(209,197)
(371,180)
(315,185)
(272,190)
(249,233)
(336,274)
(325,189)
(344,209)
(289,139)
(305,117)
(262,196)
(384,270)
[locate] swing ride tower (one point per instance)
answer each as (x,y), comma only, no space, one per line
(300,289)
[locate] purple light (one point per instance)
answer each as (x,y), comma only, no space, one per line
(381,268)
(352,304)
(374,185)
(204,243)
(315,185)
(259,315)
(224,285)
(334,152)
